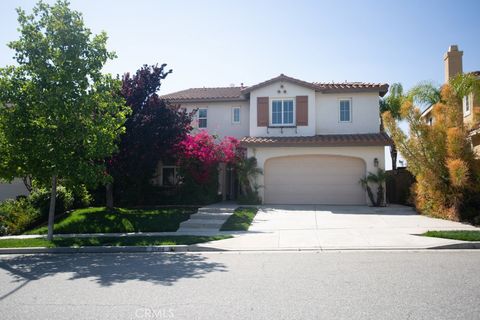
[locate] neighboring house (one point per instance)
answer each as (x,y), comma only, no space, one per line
(453,60)
(12,190)
(314,141)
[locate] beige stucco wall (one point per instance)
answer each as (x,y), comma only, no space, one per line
(12,190)
(219,118)
(291,91)
(365,113)
(367,154)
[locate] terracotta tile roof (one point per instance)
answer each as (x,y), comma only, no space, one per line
(352,87)
(326,140)
(206,94)
(382,88)
(239,93)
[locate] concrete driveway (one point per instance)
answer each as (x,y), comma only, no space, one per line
(340,227)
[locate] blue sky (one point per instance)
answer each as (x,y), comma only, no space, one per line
(217,43)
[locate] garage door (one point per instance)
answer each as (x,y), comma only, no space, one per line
(314,180)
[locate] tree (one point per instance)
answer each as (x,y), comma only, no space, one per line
(392,103)
(248,171)
(379,180)
(438,155)
(153,128)
(60,116)
(425,94)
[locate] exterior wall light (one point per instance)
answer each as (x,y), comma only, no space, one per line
(375,162)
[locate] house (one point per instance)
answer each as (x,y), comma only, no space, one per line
(314,141)
(453,64)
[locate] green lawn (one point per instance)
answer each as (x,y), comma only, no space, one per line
(240,220)
(108,241)
(465,235)
(102,220)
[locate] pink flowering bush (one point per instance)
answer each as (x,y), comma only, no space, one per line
(198,158)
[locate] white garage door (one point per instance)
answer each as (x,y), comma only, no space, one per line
(314,180)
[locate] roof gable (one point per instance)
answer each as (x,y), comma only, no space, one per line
(241,93)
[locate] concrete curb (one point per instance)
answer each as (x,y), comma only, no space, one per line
(200,248)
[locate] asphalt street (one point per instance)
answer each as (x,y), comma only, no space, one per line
(441,284)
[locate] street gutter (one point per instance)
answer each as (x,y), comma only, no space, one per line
(200,248)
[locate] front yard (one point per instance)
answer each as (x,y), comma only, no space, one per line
(102,220)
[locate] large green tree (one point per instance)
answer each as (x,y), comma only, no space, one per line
(60,116)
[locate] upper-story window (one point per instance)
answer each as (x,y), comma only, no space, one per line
(467,105)
(345,110)
(282,112)
(236,115)
(202,117)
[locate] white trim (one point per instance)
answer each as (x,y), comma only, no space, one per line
(468,98)
(239,115)
(350,110)
(270,115)
(203,118)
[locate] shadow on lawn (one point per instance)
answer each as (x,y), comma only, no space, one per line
(108,269)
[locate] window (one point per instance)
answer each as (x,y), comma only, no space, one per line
(430,121)
(282,112)
(345,110)
(202,118)
(467,104)
(236,115)
(169,175)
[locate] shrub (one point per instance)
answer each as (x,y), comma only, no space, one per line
(440,157)
(81,197)
(17,216)
(40,198)
(251,197)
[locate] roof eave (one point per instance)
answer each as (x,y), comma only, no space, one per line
(312,144)
(173,101)
(381,90)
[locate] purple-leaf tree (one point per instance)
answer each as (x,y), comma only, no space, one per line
(152,129)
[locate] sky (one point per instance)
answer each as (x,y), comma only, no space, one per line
(219,43)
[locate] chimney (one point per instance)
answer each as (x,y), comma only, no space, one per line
(453,62)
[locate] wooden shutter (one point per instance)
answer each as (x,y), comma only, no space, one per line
(262,111)
(302,110)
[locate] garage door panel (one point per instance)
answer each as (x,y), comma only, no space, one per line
(314,179)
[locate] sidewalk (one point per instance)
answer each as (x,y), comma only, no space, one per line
(311,227)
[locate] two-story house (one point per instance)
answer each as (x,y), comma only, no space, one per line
(314,141)
(453,65)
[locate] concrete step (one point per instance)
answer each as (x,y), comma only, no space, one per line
(210,216)
(197,231)
(205,221)
(215,210)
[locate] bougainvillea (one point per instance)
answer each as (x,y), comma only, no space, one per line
(199,154)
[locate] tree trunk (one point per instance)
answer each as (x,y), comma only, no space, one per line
(51,212)
(109,195)
(380,195)
(393,154)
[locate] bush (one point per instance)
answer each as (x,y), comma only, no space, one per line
(40,198)
(249,198)
(81,197)
(17,216)
(192,192)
